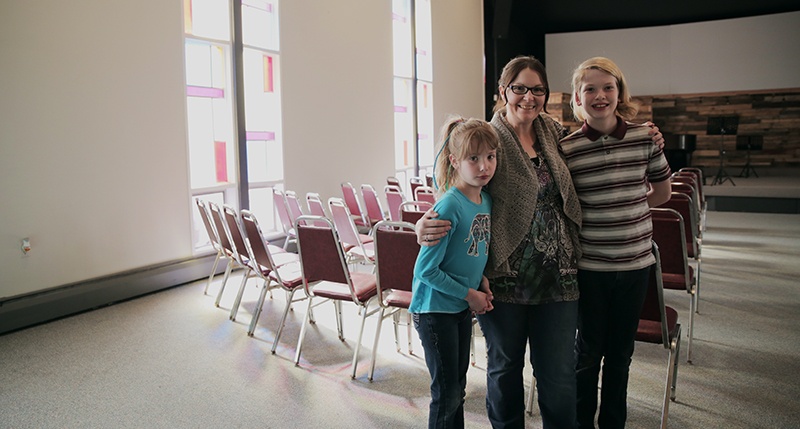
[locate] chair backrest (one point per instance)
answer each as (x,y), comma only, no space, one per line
(394,181)
(396,250)
(681,186)
(425,193)
(668,235)
(321,255)
(315,206)
(279,201)
(237,238)
(293,205)
(257,246)
(372,204)
(394,197)
(205,216)
(654,309)
(683,204)
(698,174)
(414,182)
(222,229)
(343,223)
(412,211)
(681,179)
(429,179)
(351,199)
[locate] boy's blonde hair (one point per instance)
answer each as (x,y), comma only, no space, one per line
(626,108)
(461,137)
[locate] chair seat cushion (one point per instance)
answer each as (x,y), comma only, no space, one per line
(649,331)
(291,275)
(365,287)
(284,258)
(273,249)
(398,298)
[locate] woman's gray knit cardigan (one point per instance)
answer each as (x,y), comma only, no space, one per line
(515,187)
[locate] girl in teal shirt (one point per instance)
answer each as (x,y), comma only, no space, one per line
(449,286)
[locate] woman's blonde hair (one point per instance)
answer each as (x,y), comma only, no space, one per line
(460,137)
(626,108)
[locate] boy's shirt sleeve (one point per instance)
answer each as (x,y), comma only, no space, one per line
(430,257)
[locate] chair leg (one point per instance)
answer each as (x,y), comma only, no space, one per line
(339,323)
(472,343)
(213,270)
(364,315)
(303,333)
(677,342)
(256,314)
(228,270)
(375,343)
(531,394)
(408,326)
(239,295)
(690,334)
(395,323)
(697,289)
(289,299)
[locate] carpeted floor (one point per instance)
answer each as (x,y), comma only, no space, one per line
(173,360)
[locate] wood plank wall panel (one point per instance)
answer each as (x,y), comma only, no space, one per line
(775,115)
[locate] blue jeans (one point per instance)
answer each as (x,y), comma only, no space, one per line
(549,329)
(446,340)
(610,305)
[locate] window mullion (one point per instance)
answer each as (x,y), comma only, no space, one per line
(241,119)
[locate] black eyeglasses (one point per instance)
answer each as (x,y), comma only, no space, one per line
(522,90)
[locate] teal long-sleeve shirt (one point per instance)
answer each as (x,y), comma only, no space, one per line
(443,273)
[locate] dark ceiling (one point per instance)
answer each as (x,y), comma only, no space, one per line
(558,16)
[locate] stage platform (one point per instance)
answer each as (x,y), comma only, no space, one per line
(774,191)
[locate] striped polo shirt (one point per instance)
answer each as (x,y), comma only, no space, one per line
(611,173)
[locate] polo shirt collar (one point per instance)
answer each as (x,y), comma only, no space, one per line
(618,133)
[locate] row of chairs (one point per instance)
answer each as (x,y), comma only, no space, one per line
(677,230)
(242,242)
(321,270)
(372,210)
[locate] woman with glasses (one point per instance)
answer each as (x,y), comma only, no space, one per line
(533,255)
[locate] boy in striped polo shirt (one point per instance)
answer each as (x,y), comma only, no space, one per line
(618,175)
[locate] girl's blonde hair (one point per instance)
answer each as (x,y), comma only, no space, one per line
(626,108)
(461,137)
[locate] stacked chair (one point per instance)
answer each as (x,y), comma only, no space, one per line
(213,237)
(396,250)
(658,324)
(676,273)
(326,277)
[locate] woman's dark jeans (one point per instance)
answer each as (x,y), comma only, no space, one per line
(549,329)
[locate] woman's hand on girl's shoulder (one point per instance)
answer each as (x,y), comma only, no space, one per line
(430,230)
(655,133)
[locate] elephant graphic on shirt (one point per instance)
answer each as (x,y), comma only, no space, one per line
(478,231)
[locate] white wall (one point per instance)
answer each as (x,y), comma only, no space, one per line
(93,156)
(728,55)
(92,140)
(337,86)
(458,76)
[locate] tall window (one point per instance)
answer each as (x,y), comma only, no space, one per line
(217,155)
(413,88)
